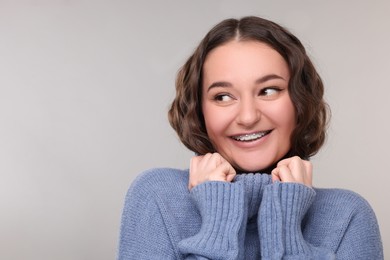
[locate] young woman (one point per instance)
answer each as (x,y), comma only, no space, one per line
(249,103)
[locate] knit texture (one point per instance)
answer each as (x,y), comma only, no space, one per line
(249,218)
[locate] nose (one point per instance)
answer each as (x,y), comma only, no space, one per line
(249,113)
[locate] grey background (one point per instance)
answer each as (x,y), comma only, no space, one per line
(84,91)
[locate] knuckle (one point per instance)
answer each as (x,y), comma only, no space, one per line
(207,155)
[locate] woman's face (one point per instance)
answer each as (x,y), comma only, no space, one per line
(248,112)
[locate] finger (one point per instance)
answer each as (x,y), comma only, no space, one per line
(210,161)
(204,160)
(297,169)
(275,175)
(231,173)
(284,174)
(288,160)
(301,171)
(295,165)
(209,167)
(216,158)
(223,172)
(194,166)
(308,181)
(229,170)
(194,163)
(308,166)
(230,177)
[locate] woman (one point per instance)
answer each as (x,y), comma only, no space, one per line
(249,103)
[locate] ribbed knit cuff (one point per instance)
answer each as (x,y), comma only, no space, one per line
(254,187)
(223,210)
(281,212)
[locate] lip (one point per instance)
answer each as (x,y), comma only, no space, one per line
(250,139)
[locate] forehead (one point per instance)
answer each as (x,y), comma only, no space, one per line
(244,58)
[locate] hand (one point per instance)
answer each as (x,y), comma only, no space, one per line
(210,167)
(293,169)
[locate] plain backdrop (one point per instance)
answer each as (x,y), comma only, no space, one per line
(85,88)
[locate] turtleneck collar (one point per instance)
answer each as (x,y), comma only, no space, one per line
(254,185)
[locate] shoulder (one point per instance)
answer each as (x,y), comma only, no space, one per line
(340,199)
(161,195)
(149,216)
(158,176)
(155,182)
(339,206)
(340,219)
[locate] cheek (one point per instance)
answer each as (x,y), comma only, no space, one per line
(216,122)
(213,124)
(289,117)
(283,114)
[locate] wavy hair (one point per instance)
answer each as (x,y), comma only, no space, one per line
(305,86)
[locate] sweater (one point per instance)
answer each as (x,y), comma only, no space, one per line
(248,218)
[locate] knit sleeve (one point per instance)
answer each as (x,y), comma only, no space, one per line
(143,233)
(280,216)
(223,211)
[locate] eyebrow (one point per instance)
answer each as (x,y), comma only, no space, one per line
(263,79)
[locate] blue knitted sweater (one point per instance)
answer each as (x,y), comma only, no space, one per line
(249,218)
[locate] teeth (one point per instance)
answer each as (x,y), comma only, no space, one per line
(250,137)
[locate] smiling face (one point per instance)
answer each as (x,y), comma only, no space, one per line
(247,109)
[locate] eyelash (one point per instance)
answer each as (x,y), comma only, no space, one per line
(263,92)
(219,97)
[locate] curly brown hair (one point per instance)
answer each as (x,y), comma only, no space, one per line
(305,86)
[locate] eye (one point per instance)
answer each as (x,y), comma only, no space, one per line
(223,97)
(268,92)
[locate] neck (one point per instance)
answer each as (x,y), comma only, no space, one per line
(266,170)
